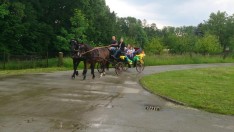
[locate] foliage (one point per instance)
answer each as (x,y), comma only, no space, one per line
(29,26)
(3,10)
(132,29)
(154,46)
(208,44)
(220,25)
(231,43)
(63,40)
(79,25)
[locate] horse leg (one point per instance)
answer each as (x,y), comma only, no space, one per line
(92,69)
(74,68)
(77,64)
(104,66)
(107,65)
(84,71)
(101,74)
(104,69)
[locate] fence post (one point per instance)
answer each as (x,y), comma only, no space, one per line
(60,59)
(47,59)
(4,59)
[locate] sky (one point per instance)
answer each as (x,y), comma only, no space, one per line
(174,13)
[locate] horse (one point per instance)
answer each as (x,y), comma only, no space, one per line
(94,55)
(76,57)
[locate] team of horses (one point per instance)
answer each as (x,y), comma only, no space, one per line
(89,56)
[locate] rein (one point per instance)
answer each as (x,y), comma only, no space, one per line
(94,49)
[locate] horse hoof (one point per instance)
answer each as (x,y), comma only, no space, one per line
(77,73)
(73,77)
(93,77)
(101,75)
(84,77)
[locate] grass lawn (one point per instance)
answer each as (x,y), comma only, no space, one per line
(210,89)
(167,59)
(5,73)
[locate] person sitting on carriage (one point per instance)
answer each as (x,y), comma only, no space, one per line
(129,52)
(121,46)
(113,46)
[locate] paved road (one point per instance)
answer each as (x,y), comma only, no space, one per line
(52,102)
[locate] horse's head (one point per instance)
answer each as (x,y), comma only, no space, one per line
(73,44)
(84,49)
(76,48)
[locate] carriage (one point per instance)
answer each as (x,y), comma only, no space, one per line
(122,63)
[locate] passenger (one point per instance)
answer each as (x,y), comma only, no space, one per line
(127,48)
(130,52)
(113,45)
(121,46)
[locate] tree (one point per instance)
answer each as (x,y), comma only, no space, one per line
(231,43)
(63,40)
(12,27)
(217,25)
(78,31)
(132,28)
(230,32)
(208,44)
(200,30)
(79,25)
(154,46)
(152,31)
(4,10)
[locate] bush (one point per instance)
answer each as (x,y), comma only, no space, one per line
(208,44)
(154,46)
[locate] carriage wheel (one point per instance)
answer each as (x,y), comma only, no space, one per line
(139,67)
(119,68)
(125,67)
(99,67)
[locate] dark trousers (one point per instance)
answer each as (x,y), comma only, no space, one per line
(117,53)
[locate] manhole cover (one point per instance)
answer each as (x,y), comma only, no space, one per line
(152,107)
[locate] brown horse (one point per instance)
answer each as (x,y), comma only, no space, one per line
(94,55)
(76,57)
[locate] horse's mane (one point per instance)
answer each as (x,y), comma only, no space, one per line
(88,47)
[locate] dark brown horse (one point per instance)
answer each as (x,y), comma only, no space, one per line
(76,57)
(94,55)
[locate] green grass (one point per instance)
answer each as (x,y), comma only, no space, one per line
(53,62)
(5,73)
(210,89)
(150,60)
(168,59)
(25,67)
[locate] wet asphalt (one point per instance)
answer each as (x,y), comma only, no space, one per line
(53,102)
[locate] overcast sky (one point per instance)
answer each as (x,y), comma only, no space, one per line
(170,12)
